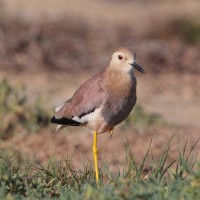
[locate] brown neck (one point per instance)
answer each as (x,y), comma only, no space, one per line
(119,83)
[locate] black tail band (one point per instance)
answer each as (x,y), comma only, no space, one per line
(65,121)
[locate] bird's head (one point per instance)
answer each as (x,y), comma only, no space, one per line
(124,59)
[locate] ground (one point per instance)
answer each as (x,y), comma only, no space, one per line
(57,56)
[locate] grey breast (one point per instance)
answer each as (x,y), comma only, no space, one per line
(117,108)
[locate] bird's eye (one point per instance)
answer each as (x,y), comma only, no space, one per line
(120,57)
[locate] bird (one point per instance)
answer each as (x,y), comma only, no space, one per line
(103,101)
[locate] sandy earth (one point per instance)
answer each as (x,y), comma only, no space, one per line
(76,144)
(174,96)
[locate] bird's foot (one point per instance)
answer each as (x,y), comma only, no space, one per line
(110,132)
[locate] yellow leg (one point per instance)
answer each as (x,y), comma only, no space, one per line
(95,151)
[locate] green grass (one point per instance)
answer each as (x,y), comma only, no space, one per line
(140,118)
(158,179)
(17,116)
(188,29)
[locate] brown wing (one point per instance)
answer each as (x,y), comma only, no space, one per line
(88,97)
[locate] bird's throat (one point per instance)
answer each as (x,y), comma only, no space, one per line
(119,83)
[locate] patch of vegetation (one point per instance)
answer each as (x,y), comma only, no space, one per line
(17,116)
(140,118)
(2,10)
(188,29)
(175,180)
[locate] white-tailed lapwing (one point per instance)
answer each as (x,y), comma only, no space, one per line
(104,100)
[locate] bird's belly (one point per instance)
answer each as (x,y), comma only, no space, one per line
(116,113)
(109,115)
(95,121)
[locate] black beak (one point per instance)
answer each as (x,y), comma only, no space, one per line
(136,66)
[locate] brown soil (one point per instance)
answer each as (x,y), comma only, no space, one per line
(52,58)
(76,144)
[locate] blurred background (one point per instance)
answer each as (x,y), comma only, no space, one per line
(48,48)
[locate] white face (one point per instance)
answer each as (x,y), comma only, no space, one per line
(122,61)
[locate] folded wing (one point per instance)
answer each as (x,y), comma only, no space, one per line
(89,97)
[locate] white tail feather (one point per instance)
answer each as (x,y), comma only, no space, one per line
(59,128)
